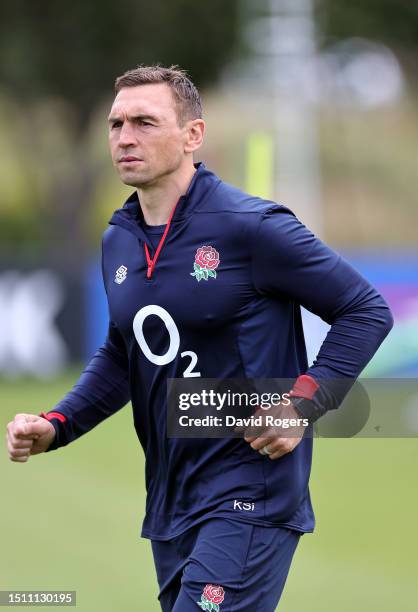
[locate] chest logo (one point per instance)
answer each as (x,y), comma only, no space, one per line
(206,261)
(121,274)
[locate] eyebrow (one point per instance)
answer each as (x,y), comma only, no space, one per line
(114,118)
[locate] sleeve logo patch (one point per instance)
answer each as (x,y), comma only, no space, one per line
(206,261)
(212,596)
(121,274)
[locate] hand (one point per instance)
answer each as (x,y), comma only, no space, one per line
(27,435)
(278,440)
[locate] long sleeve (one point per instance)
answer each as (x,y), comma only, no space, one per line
(289,261)
(101,390)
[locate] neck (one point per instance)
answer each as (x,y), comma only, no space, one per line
(157,200)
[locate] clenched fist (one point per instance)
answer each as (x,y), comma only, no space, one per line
(27,435)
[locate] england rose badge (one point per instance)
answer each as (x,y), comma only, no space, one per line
(212,596)
(206,261)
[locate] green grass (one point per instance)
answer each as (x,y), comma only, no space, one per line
(70,520)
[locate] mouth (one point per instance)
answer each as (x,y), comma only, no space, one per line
(129,159)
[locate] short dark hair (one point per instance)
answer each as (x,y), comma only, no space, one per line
(186,95)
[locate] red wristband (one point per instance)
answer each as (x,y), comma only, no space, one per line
(53,415)
(305,386)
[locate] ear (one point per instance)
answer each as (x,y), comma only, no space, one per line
(195,131)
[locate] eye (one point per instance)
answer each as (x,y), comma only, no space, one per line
(116,125)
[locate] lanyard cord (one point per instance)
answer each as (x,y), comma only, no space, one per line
(152,262)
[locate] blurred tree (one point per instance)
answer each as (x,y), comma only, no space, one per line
(71,52)
(75,49)
(394,22)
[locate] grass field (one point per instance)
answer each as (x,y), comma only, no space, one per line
(70,520)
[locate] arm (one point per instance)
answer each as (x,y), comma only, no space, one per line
(102,390)
(291,263)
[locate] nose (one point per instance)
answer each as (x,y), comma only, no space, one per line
(127,135)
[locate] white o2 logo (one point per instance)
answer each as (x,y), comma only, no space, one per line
(174,345)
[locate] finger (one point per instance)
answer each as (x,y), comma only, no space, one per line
(241,430)
(14,442)
(31,418)
(18,426)
(24,422)
(250,438)
(20,420)
(21,440)
(269,449)
(25,431)
(283,446)
(19,459)
(278,454)
(16,449)
(261,442)
(21,416)
(252,433)
(19,452)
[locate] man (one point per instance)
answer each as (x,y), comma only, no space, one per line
(205,281)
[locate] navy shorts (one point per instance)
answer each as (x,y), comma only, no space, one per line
(224,566)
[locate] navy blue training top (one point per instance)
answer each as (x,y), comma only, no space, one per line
(240,320)
(153,234)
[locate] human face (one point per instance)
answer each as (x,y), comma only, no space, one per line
(146,142)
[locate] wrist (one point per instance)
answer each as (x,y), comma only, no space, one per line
(302,398)
(54,420)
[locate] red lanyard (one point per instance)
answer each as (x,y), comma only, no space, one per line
(151,262)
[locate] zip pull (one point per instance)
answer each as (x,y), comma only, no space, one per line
(152,262)
(150,266)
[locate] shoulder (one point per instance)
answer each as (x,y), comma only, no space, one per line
(227,198)
(115,242)
(109,236)
(234,210)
